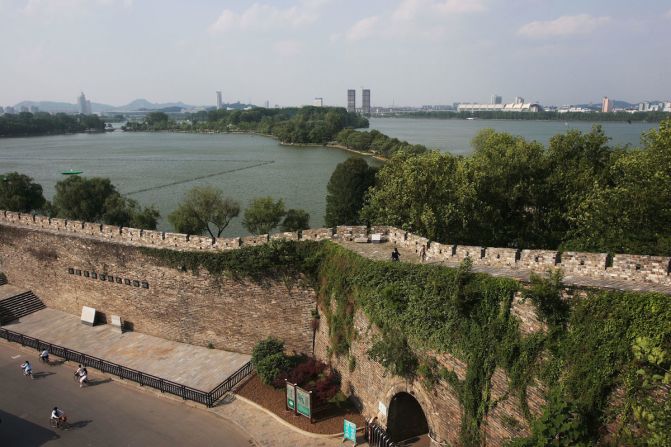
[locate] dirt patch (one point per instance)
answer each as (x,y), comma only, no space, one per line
(328,421)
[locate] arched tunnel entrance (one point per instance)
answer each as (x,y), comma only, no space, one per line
(406,418)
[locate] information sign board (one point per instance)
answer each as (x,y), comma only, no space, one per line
(291,396)
(303,402)
(349,431)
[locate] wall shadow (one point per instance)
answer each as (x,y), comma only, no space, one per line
(19,432)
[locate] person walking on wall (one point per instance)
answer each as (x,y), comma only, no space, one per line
(422,253)
(395,255)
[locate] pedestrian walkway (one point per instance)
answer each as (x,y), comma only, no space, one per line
(189,365)
(382,252)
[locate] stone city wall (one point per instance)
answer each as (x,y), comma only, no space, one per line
(68,271)
(373,390)
(635,268)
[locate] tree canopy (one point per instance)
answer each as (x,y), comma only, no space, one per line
(345,191)
(96,199)
(42,123)
(296,219)
(204,208)
(263,214)
(578,193)
(19,193)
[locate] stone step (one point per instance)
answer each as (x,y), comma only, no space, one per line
(19,306)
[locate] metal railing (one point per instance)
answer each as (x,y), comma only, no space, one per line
(163,385)
(377,436)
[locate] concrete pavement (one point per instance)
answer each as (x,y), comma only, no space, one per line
(108,413)
(189,365)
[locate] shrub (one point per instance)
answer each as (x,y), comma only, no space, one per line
(272,366)
(266,348)
(326,388)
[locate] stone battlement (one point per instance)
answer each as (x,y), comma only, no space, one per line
(636,268)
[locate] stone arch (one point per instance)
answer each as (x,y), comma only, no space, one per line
(404,394)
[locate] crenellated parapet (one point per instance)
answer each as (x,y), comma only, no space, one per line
(621,267)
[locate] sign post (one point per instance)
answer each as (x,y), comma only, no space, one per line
(349,431)
(291,396)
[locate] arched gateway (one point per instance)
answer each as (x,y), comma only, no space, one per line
(406,418)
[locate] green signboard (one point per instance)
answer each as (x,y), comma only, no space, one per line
(349,431)
(303,402)
(291,396)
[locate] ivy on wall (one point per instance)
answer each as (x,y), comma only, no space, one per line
(583,358)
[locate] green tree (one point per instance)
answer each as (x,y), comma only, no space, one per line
(346,190)
(296,219)
(204,207)
(422,193)
(82,198)
(263,214)
(19,193)
(96,199)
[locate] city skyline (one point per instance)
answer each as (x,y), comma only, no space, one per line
(292,51)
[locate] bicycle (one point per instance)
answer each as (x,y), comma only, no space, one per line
(61,423)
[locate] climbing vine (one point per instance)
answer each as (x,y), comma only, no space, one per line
(585,360)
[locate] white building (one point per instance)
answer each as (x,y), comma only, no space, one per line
(515,107)
(84,104)
(318,102)
(219,102)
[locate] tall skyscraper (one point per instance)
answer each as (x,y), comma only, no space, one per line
(267,104)
(365,101)
(219,103)
(496,99)
(606,105)
(519,100)
(84,105)
(351,100)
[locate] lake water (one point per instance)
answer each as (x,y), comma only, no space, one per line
(158,168)
(455,135)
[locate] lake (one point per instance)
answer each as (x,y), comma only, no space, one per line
(455,135)
(158,168)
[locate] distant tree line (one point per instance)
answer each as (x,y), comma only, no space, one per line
(42,123)
(576,194)
(653,117)
(304,125)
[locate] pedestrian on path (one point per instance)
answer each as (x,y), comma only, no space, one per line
(395,255)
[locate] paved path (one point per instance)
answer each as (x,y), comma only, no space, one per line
(163,358)
(382,252)
(107,414)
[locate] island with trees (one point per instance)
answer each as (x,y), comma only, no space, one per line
(595,116)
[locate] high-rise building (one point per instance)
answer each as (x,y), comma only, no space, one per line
(9,110)
(606,105)
(519,100)
(351,100)
(34,109)
(365,101)
(267,104)
(496,99)
(84,105)
(318,102)
(2,110)
(219,103)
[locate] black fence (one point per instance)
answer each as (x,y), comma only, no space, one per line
(377,436)
(163,385)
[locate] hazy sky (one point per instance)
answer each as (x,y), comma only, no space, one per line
(408,52)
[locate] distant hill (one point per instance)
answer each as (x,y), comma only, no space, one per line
(136,105)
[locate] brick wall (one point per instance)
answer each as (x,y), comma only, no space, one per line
(182,306)
(633,268)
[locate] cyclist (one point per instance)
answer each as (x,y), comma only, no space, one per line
(58,417)
(27,369)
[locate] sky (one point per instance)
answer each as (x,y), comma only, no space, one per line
(408,52)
